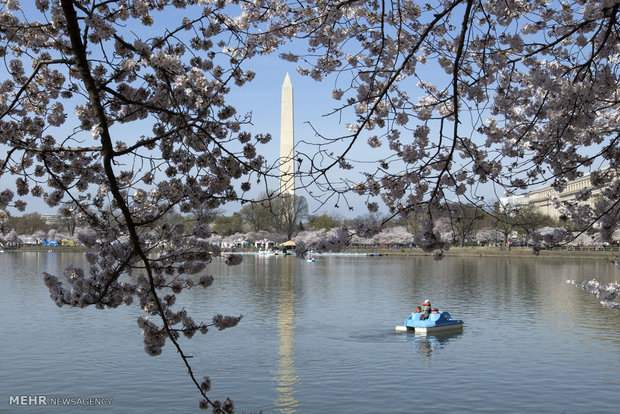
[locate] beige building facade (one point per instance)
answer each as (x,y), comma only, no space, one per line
(542,199)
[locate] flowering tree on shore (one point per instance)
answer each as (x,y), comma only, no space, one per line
(125,127)
(118,109)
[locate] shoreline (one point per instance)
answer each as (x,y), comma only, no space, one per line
(608,254)
(519,252)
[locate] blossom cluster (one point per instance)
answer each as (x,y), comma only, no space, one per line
(607,292)
(333,240)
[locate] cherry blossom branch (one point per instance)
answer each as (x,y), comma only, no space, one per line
(22,89)
(108,155)
(437,18)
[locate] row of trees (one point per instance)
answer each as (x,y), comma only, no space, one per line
(33,222)
(461,223)
(276,216)
(284,214)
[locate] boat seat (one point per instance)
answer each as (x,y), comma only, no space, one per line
(433,317)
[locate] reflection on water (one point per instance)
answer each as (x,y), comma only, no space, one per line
(425,345)
(287,376)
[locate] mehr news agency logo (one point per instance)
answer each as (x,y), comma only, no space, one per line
(44,400)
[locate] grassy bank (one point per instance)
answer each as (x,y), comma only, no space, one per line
(583,253)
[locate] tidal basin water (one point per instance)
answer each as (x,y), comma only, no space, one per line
(319,338)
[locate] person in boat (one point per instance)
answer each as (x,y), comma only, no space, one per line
(417,310)
(435,310)
(426,309)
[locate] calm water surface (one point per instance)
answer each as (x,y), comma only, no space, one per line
(319,338)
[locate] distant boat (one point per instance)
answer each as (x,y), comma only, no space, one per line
(265,253)
(311,258)
(355,254)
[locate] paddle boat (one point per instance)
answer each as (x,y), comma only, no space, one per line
(436,322)
(265,253)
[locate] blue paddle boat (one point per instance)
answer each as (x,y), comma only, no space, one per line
(436,322)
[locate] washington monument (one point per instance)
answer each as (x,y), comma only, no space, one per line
(287,140)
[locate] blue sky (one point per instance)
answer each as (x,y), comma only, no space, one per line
(312,100)
(262,97)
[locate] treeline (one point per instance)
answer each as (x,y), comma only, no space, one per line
(289,215)
(31,223)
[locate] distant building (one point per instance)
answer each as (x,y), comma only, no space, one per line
(513,200)
(264,244)
(51,219)
(542,198)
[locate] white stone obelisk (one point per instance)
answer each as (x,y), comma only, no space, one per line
(287,140)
